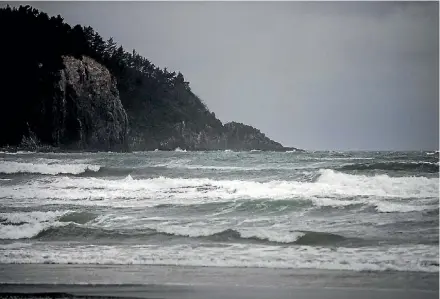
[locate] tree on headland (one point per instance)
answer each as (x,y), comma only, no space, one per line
(33,45)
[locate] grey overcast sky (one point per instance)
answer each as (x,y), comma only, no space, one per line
(316,75)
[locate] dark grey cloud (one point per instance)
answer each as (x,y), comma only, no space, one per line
(317,75)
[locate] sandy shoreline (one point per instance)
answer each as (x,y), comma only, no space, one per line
(202,291)
(210,282)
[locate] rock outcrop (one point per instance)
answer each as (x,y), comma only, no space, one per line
(233,136)
(86,111)
(68,88)
(243,137)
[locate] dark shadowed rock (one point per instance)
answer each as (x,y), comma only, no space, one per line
(233,135)
(86,111)
(243,137)
(66,88)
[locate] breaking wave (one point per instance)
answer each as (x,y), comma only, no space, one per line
(105,171)
(12,167)
(22,225)
(77,217)
(422,258)
(238,235)
(17,153)
(331,188)
(70,225)
(272,210)
(267,236)
(431,167)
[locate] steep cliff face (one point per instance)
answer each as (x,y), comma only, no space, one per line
(86,111)
(69,88)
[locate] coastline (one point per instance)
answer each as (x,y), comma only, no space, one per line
(61,281)
(204,292)
(50,149)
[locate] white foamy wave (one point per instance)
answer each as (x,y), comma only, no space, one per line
(15,245)
(330,189)
(10,167)
(35,216)
(146,152)
(425,163)
(392,207)
(175,163)
(23,231)
(185,164)
(380,185)
(204,230)
(178,149)
(343,158)
(241,168)
(185,231)
(17,153)
(213,167)
(278,236)
(128,178)
(432,153)
(422,258)
(22,225)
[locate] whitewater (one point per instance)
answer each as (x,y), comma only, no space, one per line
(351,211)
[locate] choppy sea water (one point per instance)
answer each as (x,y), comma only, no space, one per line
(357,211)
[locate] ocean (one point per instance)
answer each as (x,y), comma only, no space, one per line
(357,213)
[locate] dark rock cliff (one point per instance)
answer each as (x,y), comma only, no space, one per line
(243,137)
(86,111)
(233,136)
(185,136)
(66,87)
(78,108)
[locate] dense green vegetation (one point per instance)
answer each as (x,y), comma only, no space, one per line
(33,45)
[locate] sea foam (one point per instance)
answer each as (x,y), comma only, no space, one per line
(331,188)
(11,167)
(422,258)
(20,225)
